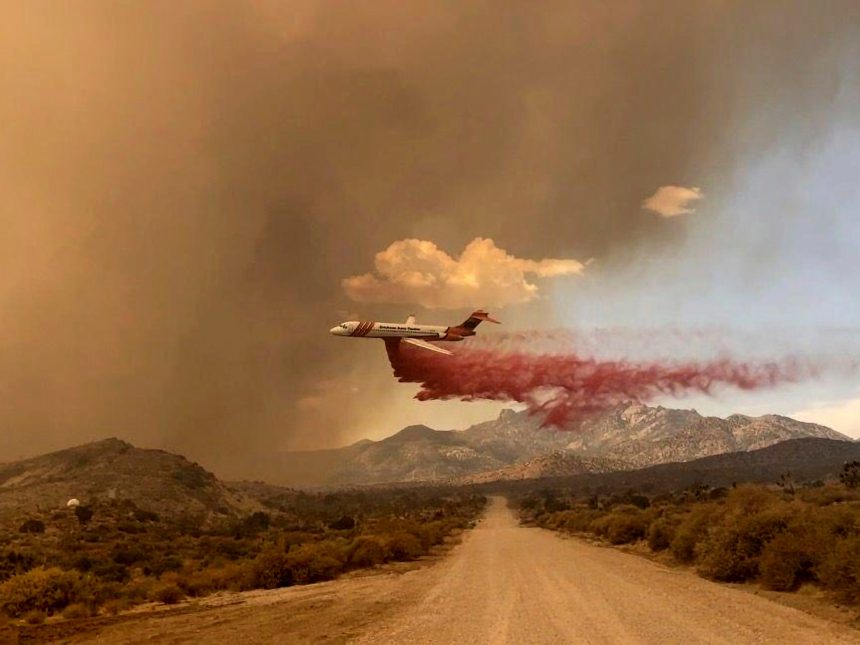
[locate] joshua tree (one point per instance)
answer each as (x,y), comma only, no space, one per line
(84,514)
(786,482)
(850,475)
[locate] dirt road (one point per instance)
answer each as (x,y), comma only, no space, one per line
(503,584)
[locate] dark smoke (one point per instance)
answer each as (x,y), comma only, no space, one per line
(186,184)
(566,386)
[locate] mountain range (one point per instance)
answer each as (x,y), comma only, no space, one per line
(113,473)
(515,446)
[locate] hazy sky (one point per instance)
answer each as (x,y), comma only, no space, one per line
(187,185)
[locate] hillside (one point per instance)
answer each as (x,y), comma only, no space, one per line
(554,464)
(514,446)
(803,460)
(154,480)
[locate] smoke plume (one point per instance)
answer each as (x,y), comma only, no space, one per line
(185,185)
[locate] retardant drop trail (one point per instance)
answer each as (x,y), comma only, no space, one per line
(566,387)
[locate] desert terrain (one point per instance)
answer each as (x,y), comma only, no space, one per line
(504,583)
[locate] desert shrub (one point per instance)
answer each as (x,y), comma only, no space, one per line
(295,538)
(138,590)
(625,524)
(839,520)
(431,533)
(316,562)
(115,605)
(205,581)
(690,532)
(142,515)
(252,525)
(162,565)
(128,555)
(131,528)
(108,570)
(270,569)
(839,570)
(731,550)
(660,534)
(200,583)
(84,514)
(367,552)
(627,528)
(230,548)
(14,562)
(403,546)
(578,520)
(76,611)
(718,493)
(343,523)
(748,499)
(32,526)
(639,501)
(168,593)
(46,590)
(782,562)
(34,617)
(84,563)
(826,495)
(600,524)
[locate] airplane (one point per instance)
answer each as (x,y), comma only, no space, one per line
(412,333)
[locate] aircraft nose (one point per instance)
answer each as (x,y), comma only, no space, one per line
(335,331)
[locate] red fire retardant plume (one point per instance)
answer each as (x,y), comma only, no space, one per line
(565,387)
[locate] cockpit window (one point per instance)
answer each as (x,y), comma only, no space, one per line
(343,325)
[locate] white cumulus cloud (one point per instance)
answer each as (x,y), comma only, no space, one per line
(418,272)
(671,201)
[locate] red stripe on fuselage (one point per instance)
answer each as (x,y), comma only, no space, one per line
(363,328)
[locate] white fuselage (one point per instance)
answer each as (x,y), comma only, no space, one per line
(370,329)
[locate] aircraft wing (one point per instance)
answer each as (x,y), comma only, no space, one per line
(425,345)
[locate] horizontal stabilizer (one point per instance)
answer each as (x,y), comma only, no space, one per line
(425,345)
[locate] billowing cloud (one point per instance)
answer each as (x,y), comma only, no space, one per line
(419,272)
(671,201)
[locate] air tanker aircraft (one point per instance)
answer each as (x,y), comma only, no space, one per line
(410,332)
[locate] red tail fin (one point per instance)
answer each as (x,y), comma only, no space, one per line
(476,319)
